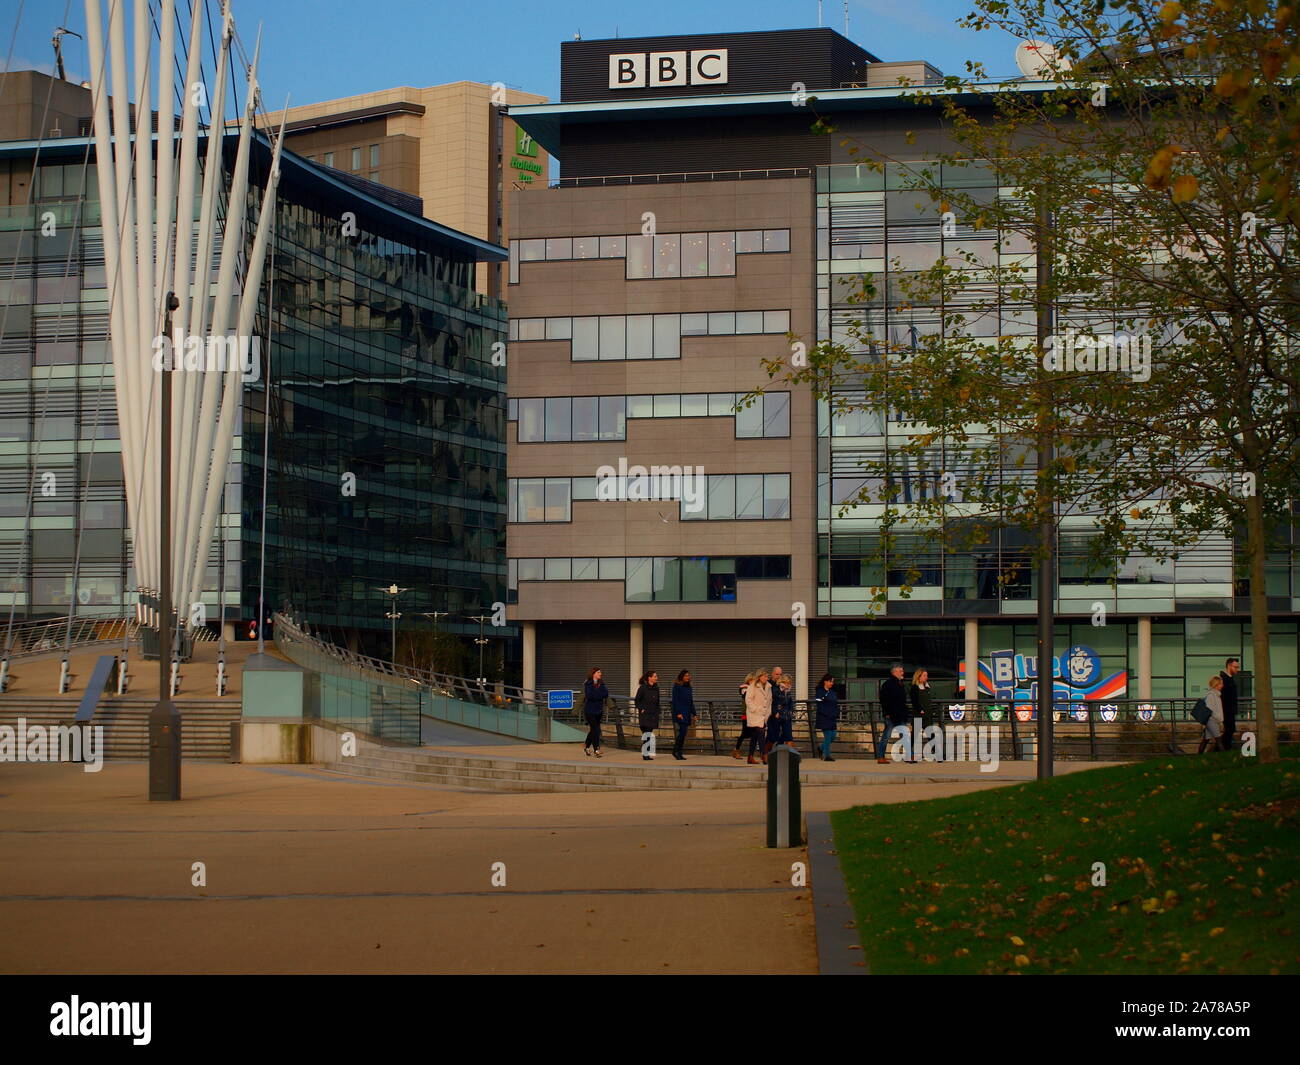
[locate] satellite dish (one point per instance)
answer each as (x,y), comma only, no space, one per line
(1037,58)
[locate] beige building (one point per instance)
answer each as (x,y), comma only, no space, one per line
(451,145)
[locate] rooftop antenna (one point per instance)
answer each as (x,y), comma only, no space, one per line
(58,49)
(819,12)
(846,18)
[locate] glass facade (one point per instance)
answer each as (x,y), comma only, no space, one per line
(387,417)
(870,223)
(387,423)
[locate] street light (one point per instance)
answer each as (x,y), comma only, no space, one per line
(482,642)
(393,591)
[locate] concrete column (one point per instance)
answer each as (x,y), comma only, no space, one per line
(972,658)
(1144,658)
(801,678)
(635,655)
(530,658)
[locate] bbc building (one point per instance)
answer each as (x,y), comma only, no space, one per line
(696,223)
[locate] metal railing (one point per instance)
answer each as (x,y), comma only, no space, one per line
(50,634)
(684,177)
(1115,730)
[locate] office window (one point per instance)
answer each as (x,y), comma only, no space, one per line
(722,497)
(531,421)
(776,496)
(749,322)
(613,337)
(612,569)
(584,569)
(559,328)
(356,158)
(613,417)
(586,339)
(695,406)
(776,321)
(722,254)
(532,250)
(586,247)
(749,495)
(638,586)
(640,257)
(559,248)
(559,413)
(558,569)
(613,247)
(695,255)
(557,499)
(749,241)
(586,418)
(374,155)
(640,406)
(667,255)
(668,336)
(329,158)
(776,414)
(722,323)
(695,325)
(640,336)
(776,240)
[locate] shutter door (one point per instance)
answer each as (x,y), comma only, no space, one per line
(719,654)
(565,651)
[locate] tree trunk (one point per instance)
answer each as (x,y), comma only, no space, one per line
(1257,549)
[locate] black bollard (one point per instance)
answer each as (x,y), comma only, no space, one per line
(784,808)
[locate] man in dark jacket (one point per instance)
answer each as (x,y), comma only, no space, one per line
(683,707)
(893,701)
(647,712)
(828,714)
(1229,696)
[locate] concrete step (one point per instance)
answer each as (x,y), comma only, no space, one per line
(205,724)
(609,777)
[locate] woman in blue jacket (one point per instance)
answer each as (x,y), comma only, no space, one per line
(828,714)
(683,707)
(593,709)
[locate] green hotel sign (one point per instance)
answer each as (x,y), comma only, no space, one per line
(524,160)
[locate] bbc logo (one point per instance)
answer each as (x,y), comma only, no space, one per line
(641,70)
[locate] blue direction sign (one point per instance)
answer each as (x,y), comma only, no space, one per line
(559,700)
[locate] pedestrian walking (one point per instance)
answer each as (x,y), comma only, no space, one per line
(773,729)
(646,701)
(893,701)
(1229,695)
(780,728)
(1209,712)
(758,708)
(744,725)
(594,694)
(683,709)
(921,696)
(828,714)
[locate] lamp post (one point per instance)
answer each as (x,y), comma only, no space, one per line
(482,642)
(164,721)
(393,591)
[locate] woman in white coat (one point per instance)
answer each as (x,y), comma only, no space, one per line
(758,708)
(1213,734)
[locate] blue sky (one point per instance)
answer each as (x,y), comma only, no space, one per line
(320,49)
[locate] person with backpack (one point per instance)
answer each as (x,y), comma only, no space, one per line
(594,694)
(683,709)
(828,714)
(1208,711)
(646,701)
(893,702)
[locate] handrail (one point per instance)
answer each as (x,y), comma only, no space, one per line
(753,174)
(52,634)
(447,684)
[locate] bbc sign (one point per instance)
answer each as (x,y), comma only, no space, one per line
(641,70)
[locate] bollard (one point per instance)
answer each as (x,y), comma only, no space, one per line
(784,809)
(164,752)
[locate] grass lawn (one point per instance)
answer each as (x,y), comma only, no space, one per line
(1202,866)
